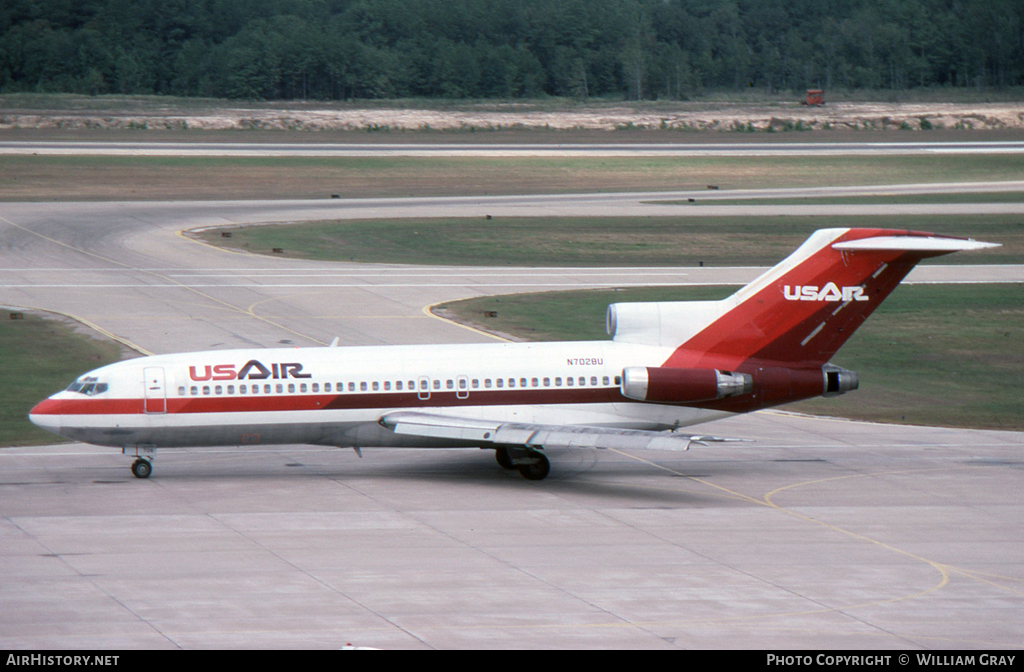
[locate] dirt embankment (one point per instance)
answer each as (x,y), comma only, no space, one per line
(711,117)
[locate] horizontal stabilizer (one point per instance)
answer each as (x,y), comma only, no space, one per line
(914,244)
(538,436)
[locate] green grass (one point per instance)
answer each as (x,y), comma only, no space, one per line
(41,357)
(947,355)
(697,100)
(599,241)
(907,199)
(48,177)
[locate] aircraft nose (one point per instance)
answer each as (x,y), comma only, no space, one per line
(46,415)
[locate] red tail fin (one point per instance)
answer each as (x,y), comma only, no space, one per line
(801,311)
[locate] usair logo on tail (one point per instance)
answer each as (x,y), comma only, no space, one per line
(827,293)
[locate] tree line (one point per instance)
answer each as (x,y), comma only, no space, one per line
(504,49)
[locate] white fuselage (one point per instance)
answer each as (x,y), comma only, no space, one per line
(336,396)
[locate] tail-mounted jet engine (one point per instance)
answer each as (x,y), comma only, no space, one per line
(771,386)
(646,383)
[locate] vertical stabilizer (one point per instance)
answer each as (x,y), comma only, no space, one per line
(801,311)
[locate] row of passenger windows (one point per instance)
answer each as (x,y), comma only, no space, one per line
(425,385)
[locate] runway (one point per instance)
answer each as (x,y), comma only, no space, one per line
(821,534)
(338,150)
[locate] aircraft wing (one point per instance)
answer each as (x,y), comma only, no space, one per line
(539,436)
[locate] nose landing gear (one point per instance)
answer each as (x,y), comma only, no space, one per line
(142,468)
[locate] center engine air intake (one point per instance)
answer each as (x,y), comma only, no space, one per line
(670,385)
(839,380)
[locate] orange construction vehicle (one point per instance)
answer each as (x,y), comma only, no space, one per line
(814,97)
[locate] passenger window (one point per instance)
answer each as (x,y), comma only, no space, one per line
(593,380)
(218,389)
(451,384)
(522,382)
(487,382)
(558,382)
(387,384)
(266,388)
(280,388)
(241,389)
(351,387)
(605,381)
(568,381)
(476,384)
(500,382)
(534,382)
(547,382)
(302,387)
(363,387)
(437,384)
(583,381)
(181,391)
(376,386)
(231,389)
(194,390)
(412,385)
(511,382)
(618,380)
(316,387)
(291,388)
(206,389)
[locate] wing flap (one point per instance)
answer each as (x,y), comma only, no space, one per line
(440,427)
(539,436)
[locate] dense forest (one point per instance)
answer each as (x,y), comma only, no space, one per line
(637,49)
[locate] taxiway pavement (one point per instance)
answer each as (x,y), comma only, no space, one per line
(821,534)
(126,268)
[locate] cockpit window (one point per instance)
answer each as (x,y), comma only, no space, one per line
(88,385)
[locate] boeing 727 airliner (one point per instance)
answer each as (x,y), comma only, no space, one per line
(668,365)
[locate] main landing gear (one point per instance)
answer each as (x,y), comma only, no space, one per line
(533,465)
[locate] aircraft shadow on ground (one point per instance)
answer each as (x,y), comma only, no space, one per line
(580,473)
